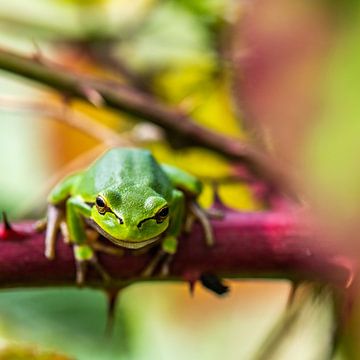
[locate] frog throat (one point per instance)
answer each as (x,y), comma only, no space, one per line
(123,243)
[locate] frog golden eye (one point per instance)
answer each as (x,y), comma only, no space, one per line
(162,214)
(100,204)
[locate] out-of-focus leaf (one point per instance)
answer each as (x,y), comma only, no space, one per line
(82,2)
(203,93)
(67,320)
(16,351)
(209,167)
(331,161)
(278,55)
(306,329)
(171,35)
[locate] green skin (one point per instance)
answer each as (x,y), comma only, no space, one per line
(136,190)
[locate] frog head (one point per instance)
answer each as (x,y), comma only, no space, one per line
(131,217)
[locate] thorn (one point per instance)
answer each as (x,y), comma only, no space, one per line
(7,225)
(192,284)
(7,232)
(38,55)
(350,270)
(351,276)
(112,296)
(217,199)
(214,283)
(217,202)
(191,278)
(293,289)
(93,96)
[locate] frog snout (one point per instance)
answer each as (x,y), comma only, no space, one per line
(141,223)
(119,219)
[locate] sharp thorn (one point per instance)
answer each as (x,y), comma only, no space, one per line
(112,296)
(214,283)
(7,225)
(292,293)
(38,55)
(93,96)
(192,284)
(217,202)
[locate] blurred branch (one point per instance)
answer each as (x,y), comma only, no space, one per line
(144,106)
(62,113)
(102,52)
(248,245)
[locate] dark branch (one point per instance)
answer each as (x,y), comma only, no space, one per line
(144,106)
(248,245)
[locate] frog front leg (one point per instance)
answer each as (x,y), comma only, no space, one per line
(55,217)
(76,209)
(192,187)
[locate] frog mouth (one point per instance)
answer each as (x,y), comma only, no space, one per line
(126,244)
(133,245)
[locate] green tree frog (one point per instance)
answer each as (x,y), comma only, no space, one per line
(128,198)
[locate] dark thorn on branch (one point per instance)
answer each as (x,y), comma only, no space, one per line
(192,284)
(217,202)
(111,297)
(214,283)
(8,233)
(7,225)
(293,288)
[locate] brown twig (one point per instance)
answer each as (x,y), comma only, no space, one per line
(101,52)
(136,103)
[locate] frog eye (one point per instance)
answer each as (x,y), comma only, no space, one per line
(162,214)
(101,204)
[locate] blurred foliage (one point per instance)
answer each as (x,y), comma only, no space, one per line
(153,321)
(180,51)
(15,352)
(334,147)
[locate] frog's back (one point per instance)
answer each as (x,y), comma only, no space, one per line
(123,167)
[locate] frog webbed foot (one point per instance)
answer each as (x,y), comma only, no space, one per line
(85,255)
(165,255)
(160,257)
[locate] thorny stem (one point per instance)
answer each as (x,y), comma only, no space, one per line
(248,245)
(145,106)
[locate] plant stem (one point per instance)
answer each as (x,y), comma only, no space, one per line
(248,245)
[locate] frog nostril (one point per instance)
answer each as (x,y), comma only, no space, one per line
(121,221)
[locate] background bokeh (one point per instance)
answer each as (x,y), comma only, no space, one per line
(283,74)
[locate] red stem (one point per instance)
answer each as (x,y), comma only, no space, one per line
(262,244)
